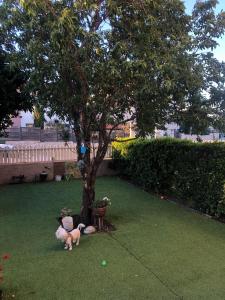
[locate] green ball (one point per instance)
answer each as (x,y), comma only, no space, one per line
(104,263)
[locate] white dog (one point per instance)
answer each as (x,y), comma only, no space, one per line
(69,237)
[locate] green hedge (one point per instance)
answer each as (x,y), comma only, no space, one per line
(192,172)
(119,154)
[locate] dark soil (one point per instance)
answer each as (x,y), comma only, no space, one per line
(108,227)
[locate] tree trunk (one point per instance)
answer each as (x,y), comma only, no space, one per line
(88,199)
(89,186)
(90,164)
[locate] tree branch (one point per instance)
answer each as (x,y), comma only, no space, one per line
(97,19)
(124,140)
(119,123)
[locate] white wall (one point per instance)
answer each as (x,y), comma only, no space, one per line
(27,118)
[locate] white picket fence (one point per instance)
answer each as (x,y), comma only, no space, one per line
(41,153)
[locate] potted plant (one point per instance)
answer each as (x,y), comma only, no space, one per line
(99,206)
(65,212)
(43,176)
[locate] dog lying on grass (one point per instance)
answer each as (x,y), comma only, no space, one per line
(69,237)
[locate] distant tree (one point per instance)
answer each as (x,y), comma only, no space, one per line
(206,92)
(39,116)
(12,98)
(101,63)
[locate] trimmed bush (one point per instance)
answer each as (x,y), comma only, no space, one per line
(194,173)
(119,154)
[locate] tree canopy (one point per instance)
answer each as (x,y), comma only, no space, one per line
(131,59)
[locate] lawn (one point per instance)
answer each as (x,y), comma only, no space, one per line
(159,251)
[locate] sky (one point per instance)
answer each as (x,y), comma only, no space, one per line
(219,52)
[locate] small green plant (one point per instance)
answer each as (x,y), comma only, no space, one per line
(65,212)
(105,201)
(68,177)
(70,171)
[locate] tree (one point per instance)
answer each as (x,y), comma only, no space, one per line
(206,96)
(39,116)
(99,63)
(12,99)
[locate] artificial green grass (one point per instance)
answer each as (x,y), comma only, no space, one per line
(159,251)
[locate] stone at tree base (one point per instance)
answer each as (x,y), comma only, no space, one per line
(89,230)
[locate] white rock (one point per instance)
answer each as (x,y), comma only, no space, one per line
(89,230)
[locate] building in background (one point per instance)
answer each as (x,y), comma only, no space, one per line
(26,119)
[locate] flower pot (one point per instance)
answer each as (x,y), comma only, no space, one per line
(58,178)
(43,176)
(99,211)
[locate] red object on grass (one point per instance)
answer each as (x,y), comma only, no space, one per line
(6,256)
